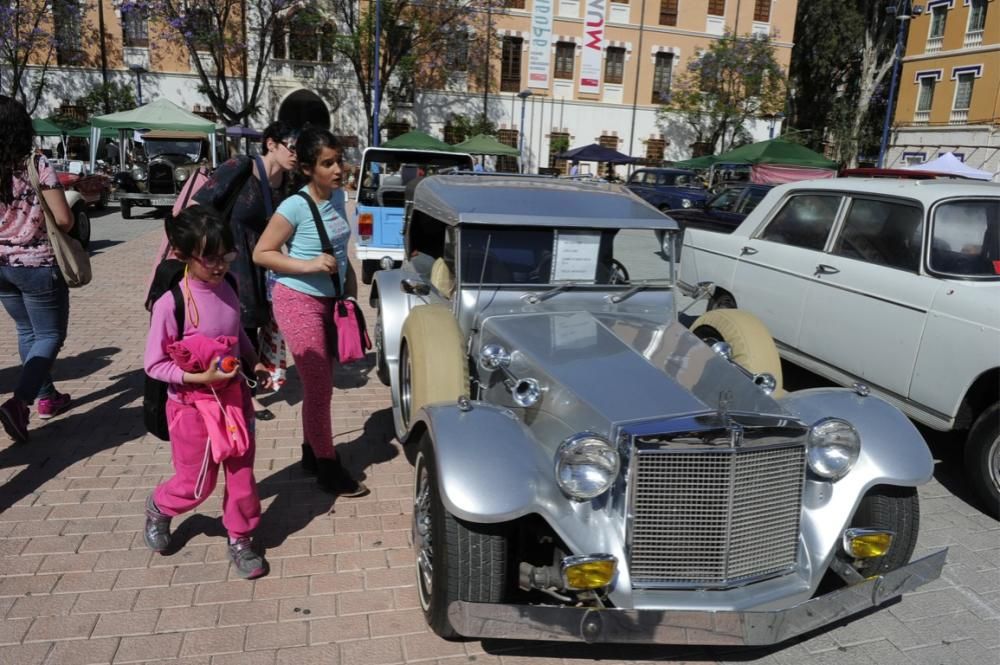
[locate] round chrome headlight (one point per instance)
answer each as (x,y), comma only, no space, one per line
(833,448)
(180,175)
(586,466)
(685,203)
(138,173)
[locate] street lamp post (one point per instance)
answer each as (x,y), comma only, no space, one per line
(524,94)
(377,96)
(139,70)
(903,12)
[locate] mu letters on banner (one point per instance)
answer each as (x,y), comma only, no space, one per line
(593,47)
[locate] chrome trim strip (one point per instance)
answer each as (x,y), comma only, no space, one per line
(665,626)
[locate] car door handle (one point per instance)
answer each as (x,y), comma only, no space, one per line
(748,251)
(823,269)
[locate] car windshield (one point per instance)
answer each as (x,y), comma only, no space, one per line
(554,256)
(383,183)
(190,149)
(965,240)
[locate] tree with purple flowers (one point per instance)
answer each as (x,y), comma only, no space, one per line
(27,48)
(735,80)
(229,43)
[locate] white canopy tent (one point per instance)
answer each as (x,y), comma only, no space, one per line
(949,163)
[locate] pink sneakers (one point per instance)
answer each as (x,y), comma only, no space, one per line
(14,416)
(53,406)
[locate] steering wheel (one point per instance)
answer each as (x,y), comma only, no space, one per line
(618,272)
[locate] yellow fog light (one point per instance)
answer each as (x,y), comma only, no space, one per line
(589,571)
(867,543)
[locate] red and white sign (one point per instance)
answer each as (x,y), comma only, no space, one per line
(593,47)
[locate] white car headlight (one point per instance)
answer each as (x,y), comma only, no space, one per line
(833,448)
(685,203)
(180,175)
(586,466)
(138,173)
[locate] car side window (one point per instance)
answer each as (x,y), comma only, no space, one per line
(725,199)
(886,233)
(750,201)
(965,238)
(804,221)
(639,178)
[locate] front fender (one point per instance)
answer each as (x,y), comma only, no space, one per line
(892,453)
(489,468)
(74,198)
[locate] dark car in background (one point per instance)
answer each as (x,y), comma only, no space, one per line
(666,188)
(723,212)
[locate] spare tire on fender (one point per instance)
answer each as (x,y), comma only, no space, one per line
(432,364)
(752,344)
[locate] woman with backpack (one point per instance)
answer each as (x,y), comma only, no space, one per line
(32,287)
(255,202)
(304,294)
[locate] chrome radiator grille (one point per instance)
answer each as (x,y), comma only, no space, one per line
(714,518)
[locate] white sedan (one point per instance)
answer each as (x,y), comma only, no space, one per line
(891,283)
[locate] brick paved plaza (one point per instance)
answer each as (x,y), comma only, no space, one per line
(78,586)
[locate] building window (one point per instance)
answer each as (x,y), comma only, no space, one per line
(662,71)
(668,12)
(926,97)
(67,16)
(939,17)
(558,142)
(456,57)
(306,37)
(200,24)
(717,7)
(565,54)
(279,43)
(977,16)
(762,11)
(135,30)
(451,134)
(513,4)
(396,128)
(510,65)
(614,64)
(654,150)
(963,92)
(506,163)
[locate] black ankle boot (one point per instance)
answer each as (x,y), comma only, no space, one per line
(308,459)
(334,478)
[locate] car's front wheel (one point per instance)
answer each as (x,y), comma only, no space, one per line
(81,226)
(126,210)
(456,560)
(381,367)
(982,458)
(102,202)
(889,508)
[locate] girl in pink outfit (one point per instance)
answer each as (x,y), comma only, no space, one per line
(203,241)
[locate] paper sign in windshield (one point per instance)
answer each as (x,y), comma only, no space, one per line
(575,257)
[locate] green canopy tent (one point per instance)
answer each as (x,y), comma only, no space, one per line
(46,127)
(481,144)
(159,114)
(703,162)
(417,140)
(776,161)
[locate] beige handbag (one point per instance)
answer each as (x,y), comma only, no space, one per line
(72,258)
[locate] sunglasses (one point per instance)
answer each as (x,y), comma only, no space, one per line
(216,261)
(290,146)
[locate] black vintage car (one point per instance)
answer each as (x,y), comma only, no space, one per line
(170,158)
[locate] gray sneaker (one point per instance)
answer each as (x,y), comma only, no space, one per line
(249,565)
(157,531)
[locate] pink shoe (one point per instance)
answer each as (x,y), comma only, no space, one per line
(14,416)
(53,406)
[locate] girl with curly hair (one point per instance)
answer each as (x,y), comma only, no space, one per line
(32,288)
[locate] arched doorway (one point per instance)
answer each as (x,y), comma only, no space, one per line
(304,106)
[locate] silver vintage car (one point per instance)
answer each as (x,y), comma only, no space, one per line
(587,468)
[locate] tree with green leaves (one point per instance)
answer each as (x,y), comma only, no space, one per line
(735,80)
(840,72)
(27,50)
(421,44)
(463,127)
(119,98)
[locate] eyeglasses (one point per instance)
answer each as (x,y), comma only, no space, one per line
(216,261)
(290,147)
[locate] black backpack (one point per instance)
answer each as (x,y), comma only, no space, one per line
(168,277)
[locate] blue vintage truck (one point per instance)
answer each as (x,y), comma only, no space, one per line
(381,183)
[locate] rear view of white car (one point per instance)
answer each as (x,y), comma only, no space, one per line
(894,284)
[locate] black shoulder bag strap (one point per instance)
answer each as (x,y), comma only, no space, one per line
(324,240)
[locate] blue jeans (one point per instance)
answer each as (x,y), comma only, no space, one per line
(38,301)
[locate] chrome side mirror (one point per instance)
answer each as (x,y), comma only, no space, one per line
(414,287)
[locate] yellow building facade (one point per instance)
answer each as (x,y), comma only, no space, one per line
(949,86)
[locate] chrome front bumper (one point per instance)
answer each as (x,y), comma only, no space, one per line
(547,622)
